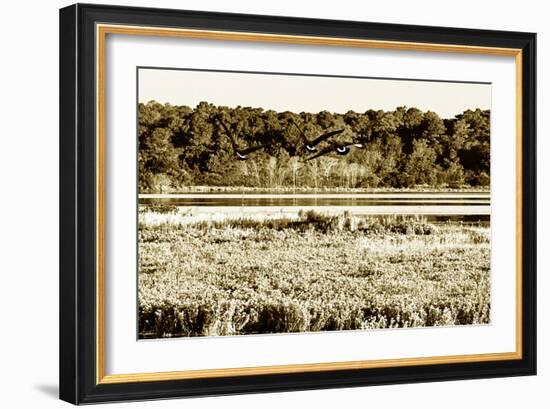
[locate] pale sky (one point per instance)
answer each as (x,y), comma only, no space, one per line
(299,93)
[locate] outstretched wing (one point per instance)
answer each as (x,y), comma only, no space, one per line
(227,131)
(304,137)
(322,152)
(325,136)
(254,148)
(339,148)
(343,149)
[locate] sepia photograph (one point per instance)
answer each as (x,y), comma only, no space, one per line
(256,203)
(285,203)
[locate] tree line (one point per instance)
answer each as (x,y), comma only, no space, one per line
(180,146)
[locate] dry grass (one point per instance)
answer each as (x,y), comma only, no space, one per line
(314,273)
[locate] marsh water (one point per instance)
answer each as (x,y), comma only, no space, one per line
(468,207)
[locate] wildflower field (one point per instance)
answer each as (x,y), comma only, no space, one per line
(313,272)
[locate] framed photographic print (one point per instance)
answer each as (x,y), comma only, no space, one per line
(257,203)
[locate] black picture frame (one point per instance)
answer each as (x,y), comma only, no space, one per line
(78,201)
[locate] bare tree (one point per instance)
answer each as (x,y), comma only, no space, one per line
(345,174)
(244,171)
(326,167)
(271,170)
(281,174)
(314,171)
(256,173)
(294,164)
(362,172)
(353,172)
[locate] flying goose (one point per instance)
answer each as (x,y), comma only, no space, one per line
(241,154)
(341,149)
(311,145)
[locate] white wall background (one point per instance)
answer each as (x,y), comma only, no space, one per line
(29,202)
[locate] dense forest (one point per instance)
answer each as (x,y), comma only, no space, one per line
(181,146)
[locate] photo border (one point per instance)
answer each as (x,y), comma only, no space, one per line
(203,70)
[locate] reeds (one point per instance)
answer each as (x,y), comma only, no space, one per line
(315,272)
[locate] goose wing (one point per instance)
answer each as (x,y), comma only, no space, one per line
(339,148)
(323,151)
(254,148)
(304,137)
(325,136)
(228,133)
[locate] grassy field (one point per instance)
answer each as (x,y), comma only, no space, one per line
(314,273)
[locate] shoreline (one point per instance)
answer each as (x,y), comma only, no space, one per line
(387,195)
(318,191)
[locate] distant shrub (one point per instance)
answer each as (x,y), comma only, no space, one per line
(398,224)
(325,223)
(478,236)
(158,208)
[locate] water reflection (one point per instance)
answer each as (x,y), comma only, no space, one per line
(310,201)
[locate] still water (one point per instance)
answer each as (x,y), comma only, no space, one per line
(439,207)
